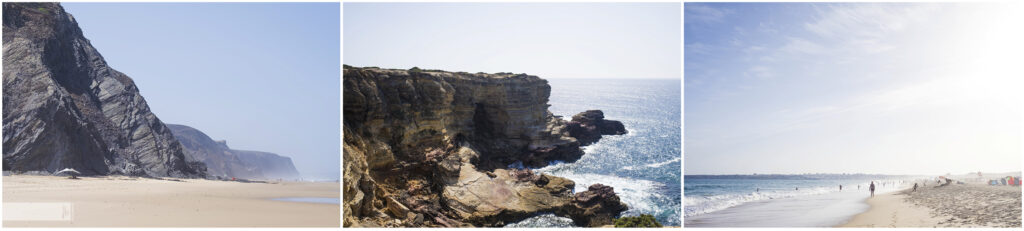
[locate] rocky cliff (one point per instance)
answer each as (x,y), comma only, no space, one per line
(270,165)
(64,107)
(434,148)
(224,162)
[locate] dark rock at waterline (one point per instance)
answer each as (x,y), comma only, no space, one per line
(587,127)
(595,207)
(64,107)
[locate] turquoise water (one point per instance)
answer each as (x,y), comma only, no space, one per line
(644,165)
(319,200)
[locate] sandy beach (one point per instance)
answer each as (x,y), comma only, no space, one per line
(118,201)
(955,205)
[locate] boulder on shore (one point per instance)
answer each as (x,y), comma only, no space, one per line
(596,207)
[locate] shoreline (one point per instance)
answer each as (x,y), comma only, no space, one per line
(120,201)
(819,210)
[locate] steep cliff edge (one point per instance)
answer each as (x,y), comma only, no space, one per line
(224,162)
(63,107)
(434,148)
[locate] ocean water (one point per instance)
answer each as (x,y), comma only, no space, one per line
(644,165)
(781,201)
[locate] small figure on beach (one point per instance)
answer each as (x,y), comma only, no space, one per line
(797,189)
(840,187)
(757,190)
(72,173)
(872,189)
(915,187)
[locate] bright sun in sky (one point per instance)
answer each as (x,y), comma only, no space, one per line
(894,88)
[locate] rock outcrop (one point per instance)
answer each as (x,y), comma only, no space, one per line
(225,163)
(588,126)
(64,107)
(595,206)
(438,146)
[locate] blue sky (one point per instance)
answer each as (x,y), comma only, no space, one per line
(263,76)
(551,40)
(906,88)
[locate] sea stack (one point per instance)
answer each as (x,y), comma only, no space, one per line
(435,148)
(588,126)
(64,107)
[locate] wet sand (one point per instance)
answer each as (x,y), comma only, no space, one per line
(955,205)
(118,201)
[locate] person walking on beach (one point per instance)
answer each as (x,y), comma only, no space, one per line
(840,187)
(915,187)
(872,189)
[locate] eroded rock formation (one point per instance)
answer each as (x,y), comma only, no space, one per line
(588,126)
(434,148)
(225,163)
(595,206)
(65,108)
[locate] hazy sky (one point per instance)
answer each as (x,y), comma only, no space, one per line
(551,40)
(263,76)
(845,88)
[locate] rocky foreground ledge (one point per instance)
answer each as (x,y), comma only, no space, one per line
(431,148)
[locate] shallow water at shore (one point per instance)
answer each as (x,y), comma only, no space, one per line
(821,210)
(778,202)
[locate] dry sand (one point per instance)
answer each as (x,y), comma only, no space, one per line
(955,205)
(118,201)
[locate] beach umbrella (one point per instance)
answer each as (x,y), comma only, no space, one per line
(72,172)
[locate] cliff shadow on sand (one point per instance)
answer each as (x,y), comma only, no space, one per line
(451,149)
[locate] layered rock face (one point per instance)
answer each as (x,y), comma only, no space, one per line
(225,163)
(433,148)
(65,108)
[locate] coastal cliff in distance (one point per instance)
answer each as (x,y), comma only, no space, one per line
(439,149)
(225,163)
(64,107)
(271,165)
